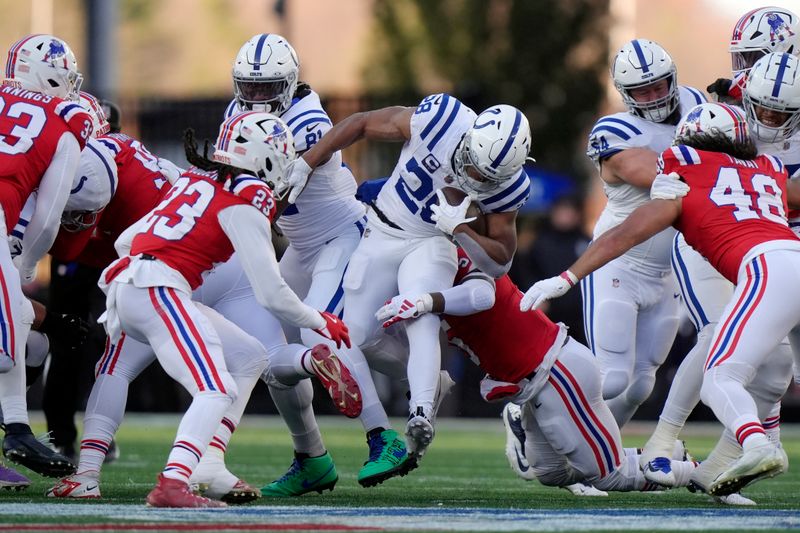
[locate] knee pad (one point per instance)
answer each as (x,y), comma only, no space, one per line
(36,348)
(551,476)
(615,382)
(640,388)
(615,327)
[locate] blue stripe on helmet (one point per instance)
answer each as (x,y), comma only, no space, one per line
(776,89)
(259,49)
(509,141)
(638,49)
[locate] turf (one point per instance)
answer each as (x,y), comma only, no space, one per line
(464,468)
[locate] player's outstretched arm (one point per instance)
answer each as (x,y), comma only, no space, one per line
(645,221)
(635,166)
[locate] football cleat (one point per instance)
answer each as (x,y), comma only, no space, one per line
(309,474)
(170,492)
(734,499)
(240,493)
(388,457)
(515,442)
(337,380)
(112,454)
(659,470)
(757,463)
(10,479)
(579,489)
(21,447)
(76,486)
(419,434)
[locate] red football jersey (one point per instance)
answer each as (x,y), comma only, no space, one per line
(505,342)
(183,230)
(31,125)
(733,205)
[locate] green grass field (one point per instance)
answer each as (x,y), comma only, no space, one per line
(464,469)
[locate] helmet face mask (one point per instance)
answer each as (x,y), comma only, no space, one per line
(772,97)
(760,32)
(639,65)
(493,150)
(257,142)
(45,64)
(265,74)
(76,221)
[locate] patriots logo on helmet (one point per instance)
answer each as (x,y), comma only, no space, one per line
(55,50)
(778,29)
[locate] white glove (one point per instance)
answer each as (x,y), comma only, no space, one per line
(295,179)
(402,308)
(668,187)
(27,273)
(448,217)
(547,289)
(169,170)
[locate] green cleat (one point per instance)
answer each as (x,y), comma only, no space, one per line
(387,458)
(305,475)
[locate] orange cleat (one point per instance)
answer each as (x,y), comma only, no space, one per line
(337,380)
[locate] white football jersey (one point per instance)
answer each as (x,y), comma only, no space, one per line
(618,132)
(328,202)
(789,153)
(426,165)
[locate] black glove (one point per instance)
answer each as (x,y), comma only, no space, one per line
(720,87)
(67,330)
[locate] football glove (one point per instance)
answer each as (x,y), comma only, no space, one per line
(65,330)
(547,289)
(719,88)
(668,187)
(334,329)
(448,217)
(402,308)
(295,179)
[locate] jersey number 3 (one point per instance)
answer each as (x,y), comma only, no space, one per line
(24,132)
(768,204)
(177,214)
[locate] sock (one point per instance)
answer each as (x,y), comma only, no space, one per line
(13,389)
(294,405)
(104,412)
(661,443)
(772,424)
(726,451)
(424,361)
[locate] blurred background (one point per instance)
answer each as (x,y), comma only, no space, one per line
(167,63)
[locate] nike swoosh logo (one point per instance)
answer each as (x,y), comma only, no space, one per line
(522,466)
(311,127)
(676,295)
(307,484)
(91,488)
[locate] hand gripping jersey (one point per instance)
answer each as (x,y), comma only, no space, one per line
(732,206)
(184,232)
(620,131)
(426,165)
(31,125)
(327,204)
(505,342)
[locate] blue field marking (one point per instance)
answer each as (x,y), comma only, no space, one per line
(425,518)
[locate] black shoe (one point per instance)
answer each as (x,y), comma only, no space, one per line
(21,447)
(112,454)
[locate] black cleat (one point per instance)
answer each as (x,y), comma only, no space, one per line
(21,447)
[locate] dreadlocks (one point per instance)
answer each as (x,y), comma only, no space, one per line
(203,162)
(716,141)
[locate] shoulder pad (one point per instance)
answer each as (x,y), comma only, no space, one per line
(433,117)
(308,122)
(612,134)
(77,119)
(682,155)
(691,96)
(256,193)
(777,164)
(511,197)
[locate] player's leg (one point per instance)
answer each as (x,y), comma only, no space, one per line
(547,465)
(16,318)
(120,364)
(656,327)
(298,277)
(705,294)
(429,267)
(764,308)
(190,351)
(610,313)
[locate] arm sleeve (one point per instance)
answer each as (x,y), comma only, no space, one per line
(50,201)
(473,295)
(249,232)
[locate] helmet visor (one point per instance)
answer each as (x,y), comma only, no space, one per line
(261,91)
(744,61)
(75,221)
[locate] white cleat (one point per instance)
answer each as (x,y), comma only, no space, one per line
(734,499)
(78,486)
(515,442)
(579,489)
(659,470)
(757,463)
(419,434)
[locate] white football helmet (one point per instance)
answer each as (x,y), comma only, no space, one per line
(92,188)
(45,64)
(774,85)
(95,110)
(265,74)
(496,146)
(762,31)
(641,63)
(258,142)
(713,117)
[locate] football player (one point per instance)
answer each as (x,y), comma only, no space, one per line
(43,132)
(408,244)
(730,204)
(323,228)
(631,307)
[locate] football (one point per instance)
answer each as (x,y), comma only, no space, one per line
(455,196)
